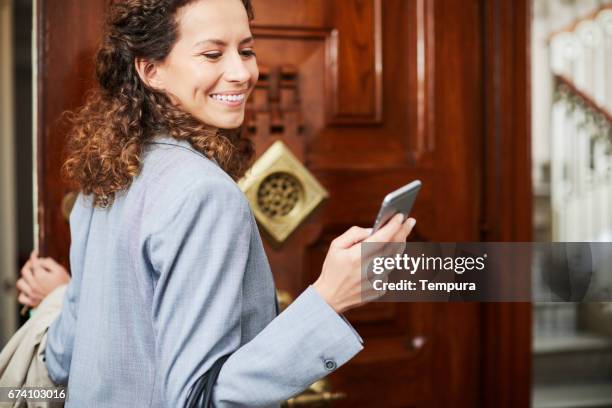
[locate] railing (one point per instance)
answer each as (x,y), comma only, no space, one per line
(581,139)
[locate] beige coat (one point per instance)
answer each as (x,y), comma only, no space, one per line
(22,361)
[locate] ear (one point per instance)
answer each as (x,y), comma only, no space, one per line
(149,73)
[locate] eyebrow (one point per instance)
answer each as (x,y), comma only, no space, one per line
(223,43)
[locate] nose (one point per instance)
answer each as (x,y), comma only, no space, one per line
(236,69)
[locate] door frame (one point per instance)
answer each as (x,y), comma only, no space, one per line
(8,239)
(507,173)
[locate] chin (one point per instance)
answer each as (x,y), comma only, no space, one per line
(221,120)
(231,126)
(227,124)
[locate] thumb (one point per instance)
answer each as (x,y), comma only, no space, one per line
(352,236)
(386,233)
(50,264)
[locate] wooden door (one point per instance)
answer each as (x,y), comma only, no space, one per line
(380,92)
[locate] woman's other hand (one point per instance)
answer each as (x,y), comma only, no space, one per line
(341,279)
(39,277)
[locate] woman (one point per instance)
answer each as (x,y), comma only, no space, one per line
(169,271)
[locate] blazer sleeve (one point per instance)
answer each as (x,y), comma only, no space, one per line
(200,255)
(60,337)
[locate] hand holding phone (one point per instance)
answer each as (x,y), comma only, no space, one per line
(398,201)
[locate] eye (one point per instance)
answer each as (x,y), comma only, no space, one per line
(248,53)
(212,55)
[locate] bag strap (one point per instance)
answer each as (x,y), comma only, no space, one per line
(200,395)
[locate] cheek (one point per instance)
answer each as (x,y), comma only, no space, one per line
(204,81)
(189,80)
(178,81)
(254,69)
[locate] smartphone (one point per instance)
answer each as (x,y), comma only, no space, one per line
(398,201)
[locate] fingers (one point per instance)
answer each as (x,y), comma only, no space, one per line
(28,301)
(388,245)
(28,287)
(36,263)
(50,264)
(405,230)
(23,286)
(352,236)
(386,233)
(25,300)
(26,290)
(33,263)
(409,226)
(27,265)
(27,275)
(396,230)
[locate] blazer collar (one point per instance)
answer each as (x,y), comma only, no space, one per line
(164,139)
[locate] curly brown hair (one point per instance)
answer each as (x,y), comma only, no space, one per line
(121,113)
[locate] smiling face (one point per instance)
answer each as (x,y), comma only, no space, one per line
(211,70)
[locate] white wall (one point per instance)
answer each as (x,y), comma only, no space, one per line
(8,266)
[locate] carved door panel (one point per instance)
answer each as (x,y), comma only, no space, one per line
(359,93)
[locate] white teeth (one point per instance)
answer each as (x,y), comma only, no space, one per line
(228,98)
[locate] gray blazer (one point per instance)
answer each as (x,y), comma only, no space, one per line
(173,276)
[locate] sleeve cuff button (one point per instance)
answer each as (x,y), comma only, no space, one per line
(330,365)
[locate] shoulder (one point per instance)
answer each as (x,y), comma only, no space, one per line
(177,162)
(183,183)
(174,166)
